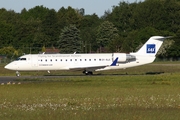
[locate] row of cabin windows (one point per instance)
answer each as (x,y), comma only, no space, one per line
(75,60)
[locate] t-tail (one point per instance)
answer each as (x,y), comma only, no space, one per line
(147,53)
(152,46)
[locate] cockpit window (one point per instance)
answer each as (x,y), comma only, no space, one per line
(21,59)
(18,59)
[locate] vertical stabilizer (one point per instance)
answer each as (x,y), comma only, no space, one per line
(152,46)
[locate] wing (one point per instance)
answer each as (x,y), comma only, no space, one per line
(93,68)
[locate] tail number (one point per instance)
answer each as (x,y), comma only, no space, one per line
(151,48)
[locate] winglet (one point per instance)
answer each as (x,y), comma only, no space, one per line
(114,62)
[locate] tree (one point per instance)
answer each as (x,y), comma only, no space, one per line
(122,17)
(174,50)
(88,29)
(69,16)
(133,23)
(26,36)
(5,34)
(37,13)
(107,34)
(10,52)
(8,20)
(50,28)
(69,41)
(164,48)
(81,11)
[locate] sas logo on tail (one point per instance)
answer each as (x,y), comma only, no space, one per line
(151,48)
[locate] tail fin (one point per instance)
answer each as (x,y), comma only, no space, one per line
(152,46)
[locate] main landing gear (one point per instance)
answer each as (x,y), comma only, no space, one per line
(88,72)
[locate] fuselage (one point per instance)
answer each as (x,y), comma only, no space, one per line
(91,62)
(60,61)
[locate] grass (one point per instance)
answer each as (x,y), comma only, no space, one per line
(134,96)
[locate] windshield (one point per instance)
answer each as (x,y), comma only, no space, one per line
(18,59)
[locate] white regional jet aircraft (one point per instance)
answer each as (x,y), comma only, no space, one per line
(88,62)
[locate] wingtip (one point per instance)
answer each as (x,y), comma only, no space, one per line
(114,62)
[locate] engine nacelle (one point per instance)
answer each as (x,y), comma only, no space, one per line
(123,57)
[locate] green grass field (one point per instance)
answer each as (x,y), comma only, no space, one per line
(112,95)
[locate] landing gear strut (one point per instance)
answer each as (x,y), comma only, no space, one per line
(88,72)
(17,74)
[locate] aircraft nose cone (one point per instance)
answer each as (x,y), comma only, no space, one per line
(9,67)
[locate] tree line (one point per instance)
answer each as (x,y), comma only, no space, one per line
(124,29)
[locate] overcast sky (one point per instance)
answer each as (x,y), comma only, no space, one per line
(90,6)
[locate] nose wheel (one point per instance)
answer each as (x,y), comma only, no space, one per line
(17,74)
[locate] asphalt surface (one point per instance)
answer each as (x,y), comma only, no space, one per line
(14,79)
(6,79)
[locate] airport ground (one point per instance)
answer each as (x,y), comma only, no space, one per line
(144,93)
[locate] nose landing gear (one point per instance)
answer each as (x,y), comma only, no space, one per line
(17,73)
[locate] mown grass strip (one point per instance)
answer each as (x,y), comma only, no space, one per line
(126,96)
(129,97)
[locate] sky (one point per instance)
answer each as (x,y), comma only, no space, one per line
(90,6)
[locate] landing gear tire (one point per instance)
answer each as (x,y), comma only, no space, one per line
(17,74)
(88,72)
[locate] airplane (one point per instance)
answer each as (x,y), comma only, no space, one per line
(88,63)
